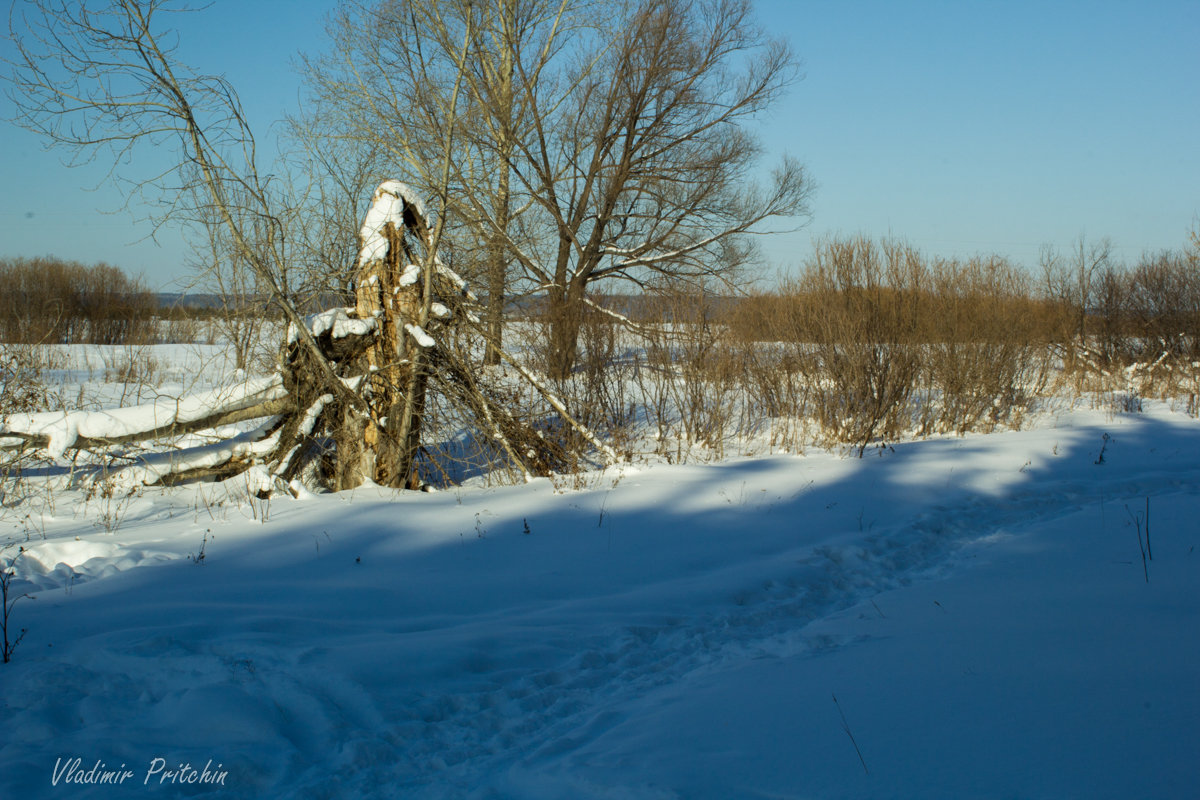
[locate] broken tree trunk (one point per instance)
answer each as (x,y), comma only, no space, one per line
(390,289)
(400,279)
(349,401)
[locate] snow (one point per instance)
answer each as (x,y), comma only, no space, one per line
(978,606)
(338,322)
(411,274)
(418,333)
(387,205)
(152,467)
(64,428)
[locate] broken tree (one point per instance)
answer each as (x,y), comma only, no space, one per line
(349,401)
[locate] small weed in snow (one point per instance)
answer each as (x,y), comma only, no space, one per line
(846,728)
(111,501)
(9,599)
(198,557)
(1144,546)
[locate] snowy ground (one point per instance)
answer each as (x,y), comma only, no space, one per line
(979,608)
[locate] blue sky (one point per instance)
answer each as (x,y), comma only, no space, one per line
(962,127)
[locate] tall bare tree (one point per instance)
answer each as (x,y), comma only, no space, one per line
(99,80)
(609,145)
(384,86)
(646,176)
(97,77)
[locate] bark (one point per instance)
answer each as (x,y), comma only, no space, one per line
(497,271)
(566,318)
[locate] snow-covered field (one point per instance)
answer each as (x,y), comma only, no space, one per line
(951,618)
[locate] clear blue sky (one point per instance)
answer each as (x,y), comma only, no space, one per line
(963,127)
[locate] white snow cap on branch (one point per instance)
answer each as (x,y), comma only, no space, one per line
(339,321)
(64,428)
(418,333)
(387,205)
(411,274)
(153,467)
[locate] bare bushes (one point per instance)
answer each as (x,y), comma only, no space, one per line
(985,346)
(692,371)
(667,368)
(870,343)
(600,384)
(47,300)
(1164,305)
(1141,327)
(598,390)
(863,303)
(886,343)
(23,389)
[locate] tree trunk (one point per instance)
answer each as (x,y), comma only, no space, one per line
(391,436)
(566,317)
(497,286)
(498,245)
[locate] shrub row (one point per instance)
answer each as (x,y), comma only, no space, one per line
(872,341)
(51,301)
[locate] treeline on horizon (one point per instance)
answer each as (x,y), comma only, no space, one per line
(851,289)
(49,300)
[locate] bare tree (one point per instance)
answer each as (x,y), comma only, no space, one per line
(646,175)
(1071,278)
(601,146)
(334,177)
(99,79)
(384,88)
(220,266)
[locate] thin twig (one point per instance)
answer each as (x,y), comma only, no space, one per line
(846,728)
(1149,552)
(1137,521)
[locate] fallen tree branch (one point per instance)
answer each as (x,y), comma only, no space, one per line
(87,430)
(270,408)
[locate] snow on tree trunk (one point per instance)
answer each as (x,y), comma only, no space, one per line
(390,288)
(348,403)
(377,347)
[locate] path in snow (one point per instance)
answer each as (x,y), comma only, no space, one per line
(427,647)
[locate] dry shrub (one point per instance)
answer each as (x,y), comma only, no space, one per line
(693,374)
(861,306)
(48,300)
(873,340)
(1164,304)
(1113,339)
(605,362)
(1142,326)
(182,330)
(596,389)
(985,345)
(23,389)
